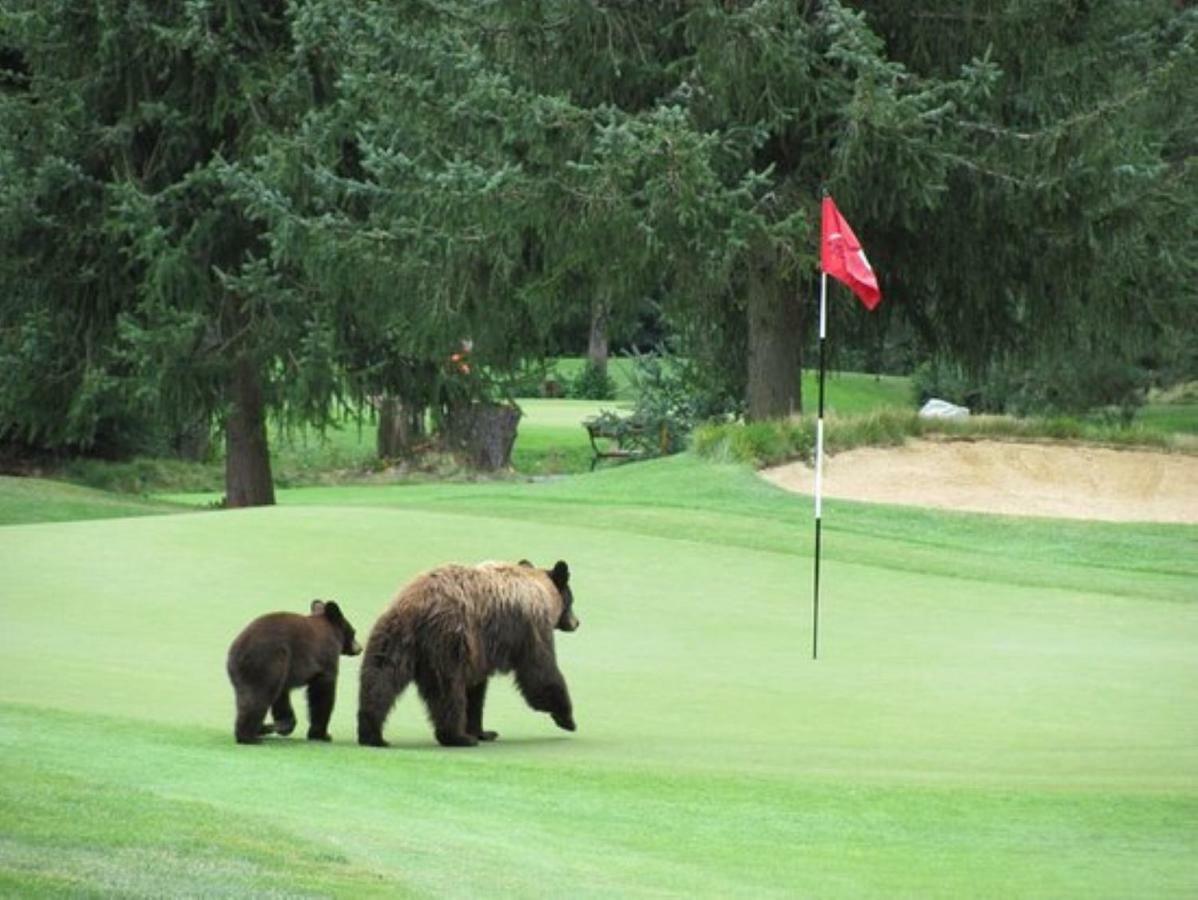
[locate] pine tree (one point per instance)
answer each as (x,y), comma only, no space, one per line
(131,224)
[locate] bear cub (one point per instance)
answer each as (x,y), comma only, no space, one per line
(279,652)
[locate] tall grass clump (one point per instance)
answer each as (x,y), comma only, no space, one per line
(772,443)
(885,428)
(143,475)
(1061,428)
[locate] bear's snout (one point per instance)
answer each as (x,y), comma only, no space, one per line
(569,623)
(355,649)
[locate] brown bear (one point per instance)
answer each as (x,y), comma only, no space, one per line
(281,651)
(450,629)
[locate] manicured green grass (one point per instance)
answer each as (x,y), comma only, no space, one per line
(26,500)
(1002,707)
(856,393)
(685,498)
(552,440)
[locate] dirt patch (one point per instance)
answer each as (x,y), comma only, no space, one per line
(1074,482)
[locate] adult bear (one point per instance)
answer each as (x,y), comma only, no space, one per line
(281,651)
(450,630)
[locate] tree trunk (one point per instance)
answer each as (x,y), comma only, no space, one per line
(247,456)
(401,426)
(483,433)
(775,350)
(597,344)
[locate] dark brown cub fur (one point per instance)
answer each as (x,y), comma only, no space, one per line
(282,651)
(455,626)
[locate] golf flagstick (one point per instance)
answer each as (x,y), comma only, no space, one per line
(841,256)
(819,456)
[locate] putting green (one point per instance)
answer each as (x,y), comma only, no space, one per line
(1002,706)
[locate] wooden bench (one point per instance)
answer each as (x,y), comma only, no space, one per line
(628,441)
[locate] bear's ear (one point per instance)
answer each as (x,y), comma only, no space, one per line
(332,612)
(525,563)
(317,607)
(560,575)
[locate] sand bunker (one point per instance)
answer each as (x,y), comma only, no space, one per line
(1075,482)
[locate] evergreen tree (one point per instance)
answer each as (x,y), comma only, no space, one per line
(1066,248)
(130,229)
(701,136)
(216,210)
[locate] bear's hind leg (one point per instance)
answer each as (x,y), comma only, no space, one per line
(446,702)
(251,711)
(475,697)
(322,691)
(283,714)
(378,688)
(257,681)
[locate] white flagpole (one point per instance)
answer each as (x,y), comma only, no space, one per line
(819,457)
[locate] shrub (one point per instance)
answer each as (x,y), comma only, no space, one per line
(592,383)
(943,380)
(669,402)
(771,443)
(1107,389)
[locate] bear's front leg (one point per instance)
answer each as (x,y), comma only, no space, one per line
(544,689)
(475,698)
(322,691)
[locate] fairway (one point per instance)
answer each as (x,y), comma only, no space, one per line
(1002,707)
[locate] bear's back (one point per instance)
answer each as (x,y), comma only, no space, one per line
(491,613)
(308,644)
(507,590)
(484,592)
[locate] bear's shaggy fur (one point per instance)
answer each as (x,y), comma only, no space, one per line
(450,629)
(281,651)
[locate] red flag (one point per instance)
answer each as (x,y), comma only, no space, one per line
(841,256)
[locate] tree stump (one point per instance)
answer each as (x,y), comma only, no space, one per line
(483,434)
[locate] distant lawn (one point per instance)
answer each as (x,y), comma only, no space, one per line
(619,370)
(847,392)
(551,438)
(855,393)
(550,441)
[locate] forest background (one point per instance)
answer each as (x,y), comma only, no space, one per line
(218,215)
